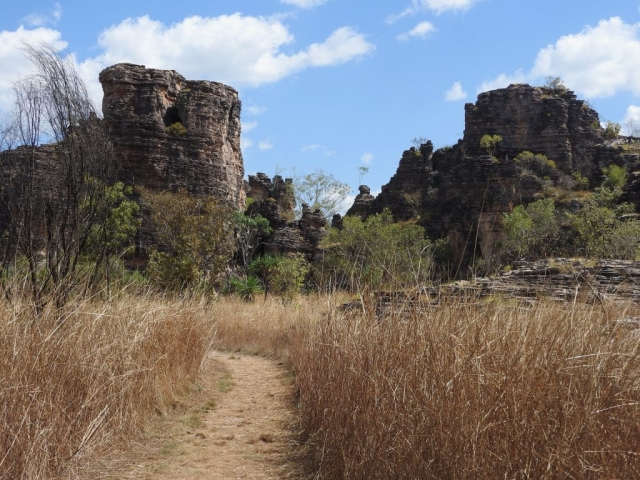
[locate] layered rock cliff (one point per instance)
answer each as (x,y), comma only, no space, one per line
(174,133)
(461,192)
(274,200)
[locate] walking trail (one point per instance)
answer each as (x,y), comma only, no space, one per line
(238,426)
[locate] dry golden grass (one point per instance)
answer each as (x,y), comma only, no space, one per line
(75,382)
(266,326)
(472,391)
(464,390)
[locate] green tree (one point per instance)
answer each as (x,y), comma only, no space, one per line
(616,177)
(611,130)
(531,230)
(248,229)
(196,235)
(113,238)
(321,190)
(378,253)
(489,143)
(604,228)
(282,275)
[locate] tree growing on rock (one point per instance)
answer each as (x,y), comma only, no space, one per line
(489,143)
(321,190)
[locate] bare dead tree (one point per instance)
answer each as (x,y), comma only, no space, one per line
(54,183)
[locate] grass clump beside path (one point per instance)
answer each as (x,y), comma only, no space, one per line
(472,391)
(74,381)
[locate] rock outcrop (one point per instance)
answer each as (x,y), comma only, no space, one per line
(174,133)
(461,192)
(274,200)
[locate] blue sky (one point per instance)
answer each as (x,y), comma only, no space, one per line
(338,84)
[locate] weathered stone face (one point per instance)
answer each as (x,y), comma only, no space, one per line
(461,192)
(538,119)
(174,133)
(274,200)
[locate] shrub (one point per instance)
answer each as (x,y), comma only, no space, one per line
(531,230)
(616,177)
(601,229)
(246,288)
(377,253)
(196,236)
(176,130)
(580,182)
(611,131)
(282,275)
(538,165)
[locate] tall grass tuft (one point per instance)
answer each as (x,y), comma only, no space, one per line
(472,391)
(73,382)
(266,326)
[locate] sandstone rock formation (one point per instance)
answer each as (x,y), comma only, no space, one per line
(558,279)
(274,200)
(461,192)
(174,133)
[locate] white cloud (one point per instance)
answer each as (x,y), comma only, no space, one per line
(631,121)
(245,143)
(436,6)
(455,93)
(504,80)
(419,31)
(599,61)
(256,110)
(366,158)
(241,50)
(234,49)
(248,126)
(265,145)
(41,19)
(315,147)
(15,64)
(304,3)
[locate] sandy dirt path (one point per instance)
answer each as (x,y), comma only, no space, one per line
(238,426)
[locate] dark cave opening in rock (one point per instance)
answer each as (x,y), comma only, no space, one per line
(171,116)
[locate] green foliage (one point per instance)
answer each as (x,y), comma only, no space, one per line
(173,271)
(246,288)
(537,163)
(282,275)
(115,235)
(248,229)
(580,182)
(601,229)
(321,190)
(176,130)
(611,130)
(490,143)
(196,234)
(616,177)
(378,253)
(531,230)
